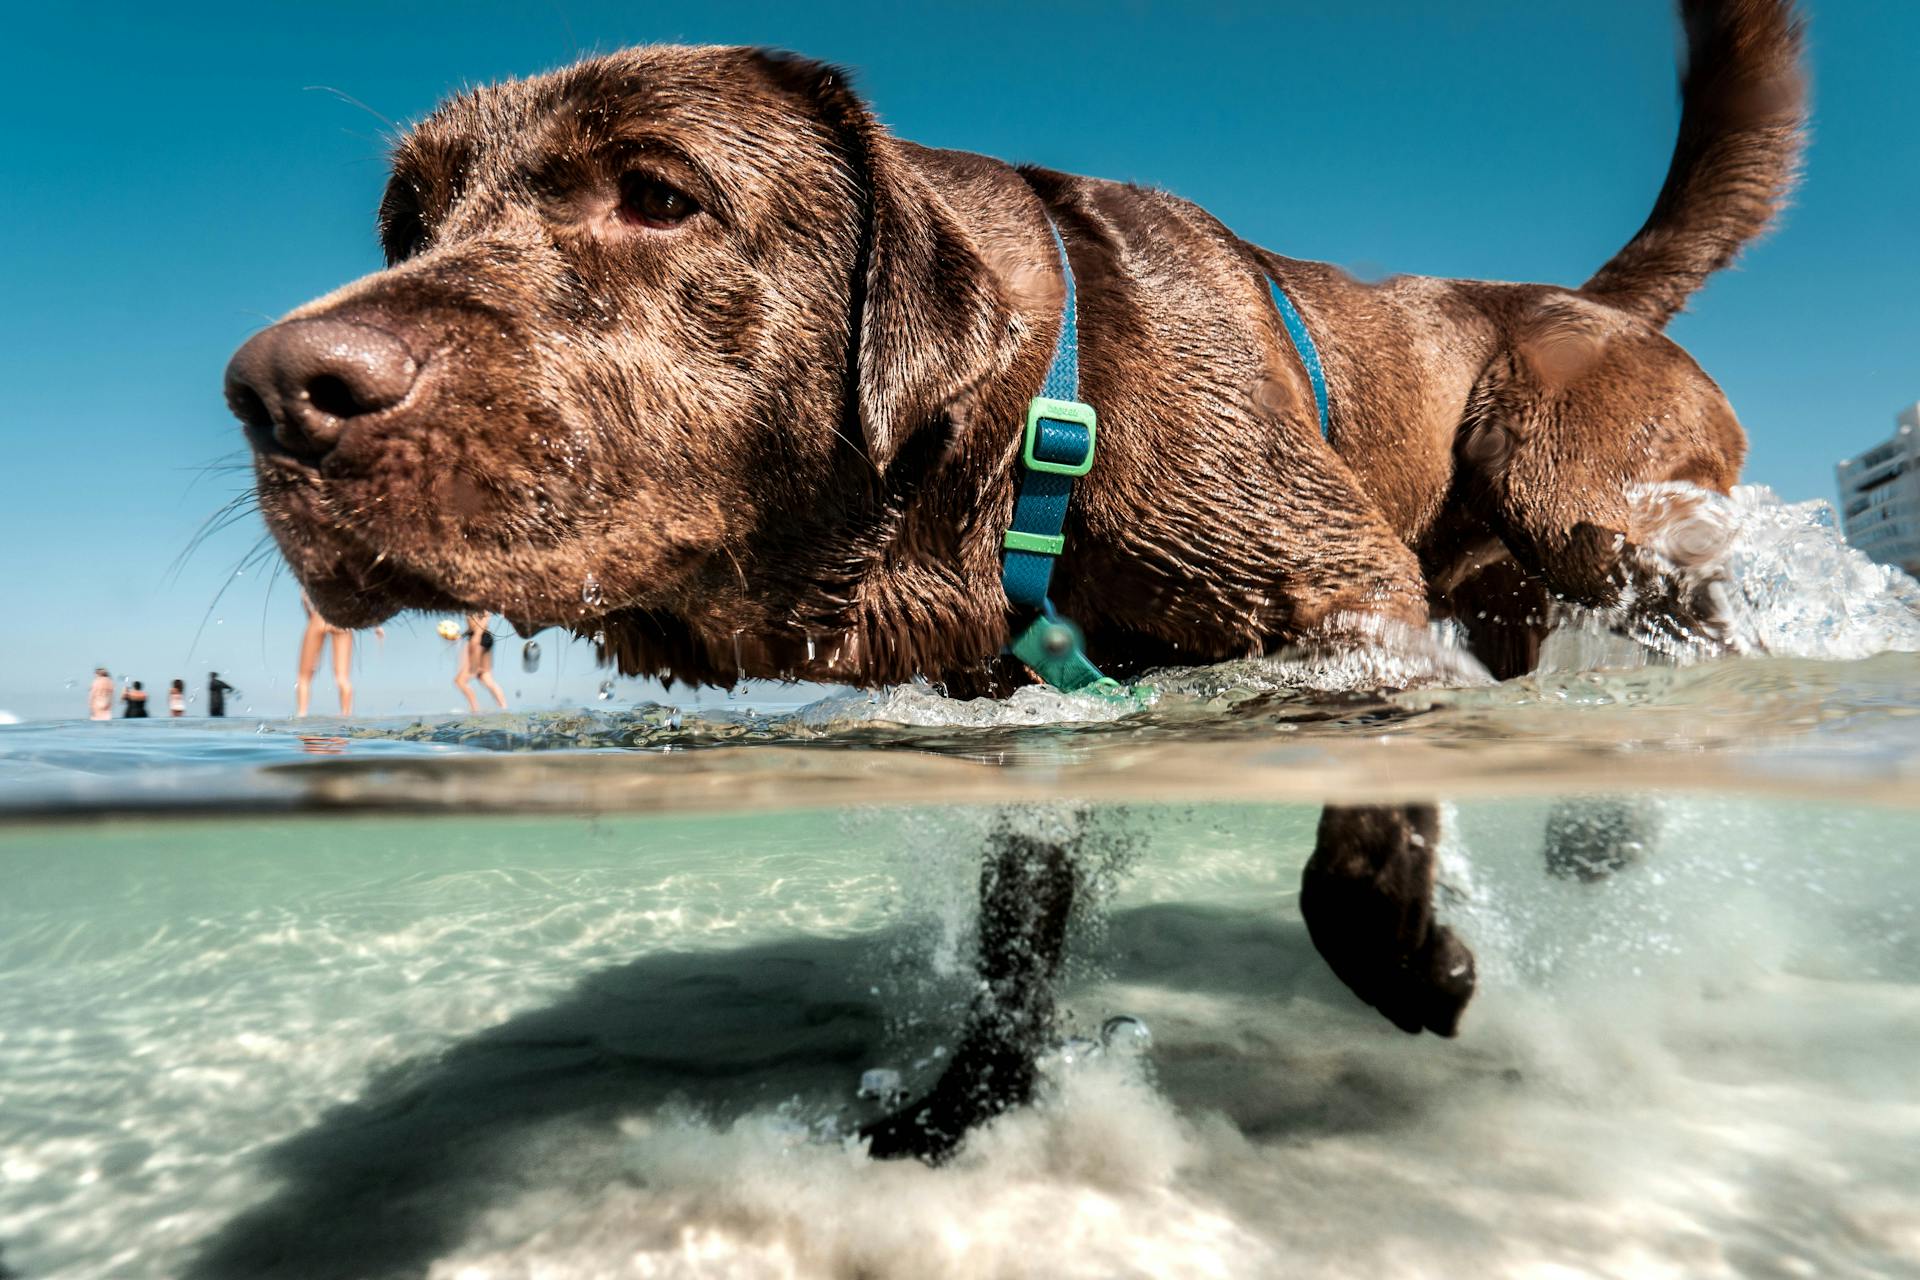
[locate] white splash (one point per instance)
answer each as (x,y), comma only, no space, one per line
(1798,590)
(924,705)
(1783,579)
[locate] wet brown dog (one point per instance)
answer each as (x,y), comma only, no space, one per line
(680,346)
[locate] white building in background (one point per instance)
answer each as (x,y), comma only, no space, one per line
(1880,496)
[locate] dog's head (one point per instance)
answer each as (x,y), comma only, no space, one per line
(635,311)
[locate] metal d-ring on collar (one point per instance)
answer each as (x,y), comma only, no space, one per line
(1058,449)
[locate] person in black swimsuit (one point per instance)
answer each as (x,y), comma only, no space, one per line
(217,691)
(476,661)
(136,699)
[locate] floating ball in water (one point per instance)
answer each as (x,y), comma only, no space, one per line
(530,656)
(1125,1033)
(448,629)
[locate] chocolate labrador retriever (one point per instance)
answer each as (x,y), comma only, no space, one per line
(679,347)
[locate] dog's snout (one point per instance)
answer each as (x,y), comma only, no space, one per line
(298,385)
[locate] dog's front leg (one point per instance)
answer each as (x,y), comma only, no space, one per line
(1026,896)
(1367,898)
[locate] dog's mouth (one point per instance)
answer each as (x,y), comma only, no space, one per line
(356,586)
(373,590)
(366,552)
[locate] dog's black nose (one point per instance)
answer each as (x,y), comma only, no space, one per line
(300,384)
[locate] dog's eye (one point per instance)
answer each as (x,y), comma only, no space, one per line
(646,200)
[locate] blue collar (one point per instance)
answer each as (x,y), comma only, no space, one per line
(1057,449)
(1303,347)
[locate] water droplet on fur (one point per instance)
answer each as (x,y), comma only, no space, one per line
(590,593)
(530,656)
(1269,396)
(1489,445)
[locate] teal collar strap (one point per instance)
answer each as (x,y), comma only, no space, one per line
(1303,345)
(1056,450)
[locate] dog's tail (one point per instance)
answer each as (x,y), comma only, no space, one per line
(1742,118)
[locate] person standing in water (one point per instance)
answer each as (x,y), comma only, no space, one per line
(319,631)
(136,699)
(177,699)
(476,660)
(100,695)
(217,691)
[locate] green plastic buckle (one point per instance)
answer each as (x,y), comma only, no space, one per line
(1045,544)
(1051,647)
(1060,411)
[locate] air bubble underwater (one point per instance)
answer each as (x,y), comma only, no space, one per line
(530,656)
(605,692)
(1075,1049)
(1125,1034)
(1122,1036)
(882,1083)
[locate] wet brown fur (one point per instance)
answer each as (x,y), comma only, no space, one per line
(780,439)
(789,425)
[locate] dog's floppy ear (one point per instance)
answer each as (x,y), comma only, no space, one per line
(930,315)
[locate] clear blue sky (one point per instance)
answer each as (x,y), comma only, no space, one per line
(174,176)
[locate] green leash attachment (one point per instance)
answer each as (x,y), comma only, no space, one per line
(1056,449)
(1053,649)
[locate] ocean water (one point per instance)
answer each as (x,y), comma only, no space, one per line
(590,994)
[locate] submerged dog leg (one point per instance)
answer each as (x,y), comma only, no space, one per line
(1026,895)
(1367,898)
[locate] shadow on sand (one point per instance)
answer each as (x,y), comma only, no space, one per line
(383,1185)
